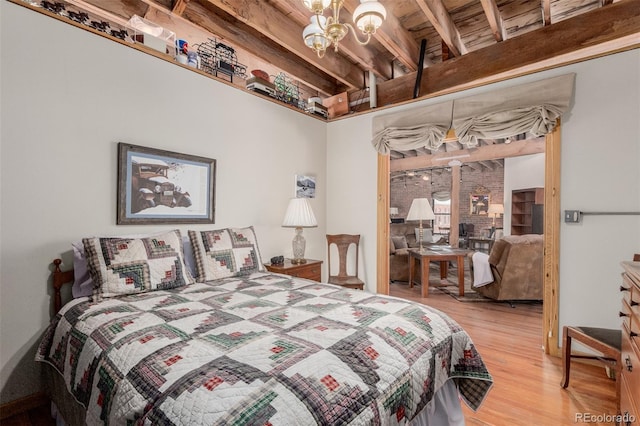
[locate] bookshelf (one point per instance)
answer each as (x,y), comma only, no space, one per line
(527,211)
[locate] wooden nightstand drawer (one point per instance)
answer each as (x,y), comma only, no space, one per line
(312,273)
(310,270)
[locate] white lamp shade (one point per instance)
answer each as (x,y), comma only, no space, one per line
(299,214)
(420,210)
(393,210)
(495,209)
(316,5)
(313,35)
(369,15)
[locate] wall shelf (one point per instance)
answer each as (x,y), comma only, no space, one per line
(527,211)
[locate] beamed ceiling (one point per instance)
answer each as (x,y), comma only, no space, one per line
(468,42)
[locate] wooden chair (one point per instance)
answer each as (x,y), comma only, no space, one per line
(607,341)
(343,242)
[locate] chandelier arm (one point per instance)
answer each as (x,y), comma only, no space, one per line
(319,21)
(355,34)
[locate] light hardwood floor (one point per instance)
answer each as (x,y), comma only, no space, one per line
(526,388)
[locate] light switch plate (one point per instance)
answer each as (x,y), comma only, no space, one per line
(572,216)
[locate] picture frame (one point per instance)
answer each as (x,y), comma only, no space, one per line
(156,186)
(479,204)
(305,186)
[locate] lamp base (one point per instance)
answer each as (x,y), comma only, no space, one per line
(298,246)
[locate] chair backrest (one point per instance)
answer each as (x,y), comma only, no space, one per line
(342,242)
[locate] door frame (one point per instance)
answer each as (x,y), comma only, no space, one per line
(551,273)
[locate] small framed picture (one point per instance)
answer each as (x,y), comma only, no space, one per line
(479,204)
(305,186)
(156,186)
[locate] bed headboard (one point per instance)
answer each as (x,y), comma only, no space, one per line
(60,278)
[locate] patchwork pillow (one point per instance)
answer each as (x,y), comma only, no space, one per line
(121,265)
(223,253)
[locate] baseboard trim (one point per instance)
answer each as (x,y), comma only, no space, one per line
(22,405)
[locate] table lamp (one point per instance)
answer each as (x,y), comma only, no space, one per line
(299,215)
(494,211)
(420,210)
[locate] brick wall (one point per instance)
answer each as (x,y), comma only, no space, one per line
(404,191)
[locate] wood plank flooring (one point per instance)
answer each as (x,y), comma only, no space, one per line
(526,388)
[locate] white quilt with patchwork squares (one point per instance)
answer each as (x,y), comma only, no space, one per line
(264,349)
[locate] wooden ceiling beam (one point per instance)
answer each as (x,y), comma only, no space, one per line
(439,17)
(483,153)
(400,43)
(179,6)
(594,33)
(495,19)
(546,12)
(272,23)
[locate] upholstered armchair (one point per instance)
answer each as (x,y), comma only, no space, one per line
(402,237)
(516,264)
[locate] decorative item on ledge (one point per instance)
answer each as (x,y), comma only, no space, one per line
(83,17)
(299,215)
(216,57)
(420,210)
(284,89)
(288,91)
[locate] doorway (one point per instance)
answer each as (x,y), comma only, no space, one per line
(552,216)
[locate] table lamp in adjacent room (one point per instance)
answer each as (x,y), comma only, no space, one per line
(420,210)
(495,210)
(299,215)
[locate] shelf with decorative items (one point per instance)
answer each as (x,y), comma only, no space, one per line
(211,58)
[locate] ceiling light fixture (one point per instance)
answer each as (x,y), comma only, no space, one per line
(323,32)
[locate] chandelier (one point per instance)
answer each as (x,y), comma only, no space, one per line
(323,32)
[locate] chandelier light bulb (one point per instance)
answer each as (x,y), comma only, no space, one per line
(369,15)
(316,6)
(314,35)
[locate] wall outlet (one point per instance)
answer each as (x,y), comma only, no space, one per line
(572,216)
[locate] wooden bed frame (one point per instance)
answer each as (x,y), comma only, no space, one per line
(60,278)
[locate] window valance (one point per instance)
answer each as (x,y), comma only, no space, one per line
(441,195)
(412,129)
(527,108)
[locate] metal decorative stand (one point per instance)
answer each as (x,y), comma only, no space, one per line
(216,57)
(288,91)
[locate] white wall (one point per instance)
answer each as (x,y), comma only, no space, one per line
(526,171)
(68,98)
(599,172)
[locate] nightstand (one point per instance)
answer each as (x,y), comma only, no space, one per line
(309,270)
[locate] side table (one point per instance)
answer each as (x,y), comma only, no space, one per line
(310,270)
(442,254)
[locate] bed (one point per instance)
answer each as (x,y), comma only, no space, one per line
(223,342)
